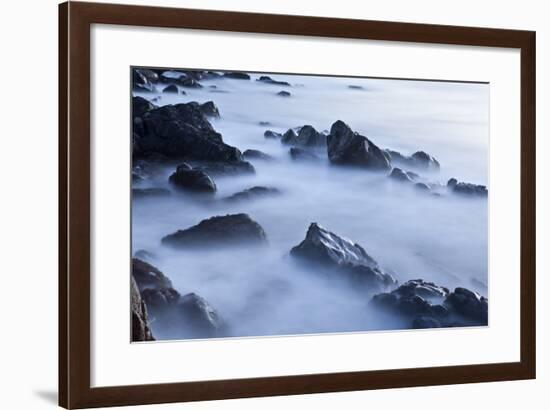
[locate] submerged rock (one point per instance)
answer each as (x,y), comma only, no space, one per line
(141,332)
(346,147)
(268,80)
(356,87)
(467,189)
(299,154)
(272,134)
(254,192)
(256,154)
(283,94)
(418,160)
(307,136)
(150,193)
(193,180)
(331,252)
(171,89)
(225,230)
(237,76)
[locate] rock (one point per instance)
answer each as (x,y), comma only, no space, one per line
(148,277)
(140,106)
(252,193)
(268,80)
(467,189)
(425,322)
(272,134)
(283,94)
(418,160)
(409,306)
(198,318)
(150,193)
(180,131)
(264,123)
(143,255)
(356,87)
(307,136)
(226,168)
(346,147)
(171,89)
(299,154)
(256,154)
(160,299)
(172,76)
(210,109)
(419,287)
(331,252)
(468,304)
(218,231)
(420,186)
(189,83)
(397,174)
(141,332)
(237,76)
(144,80)
(413,176)
(192,180)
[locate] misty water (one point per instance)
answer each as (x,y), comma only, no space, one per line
(260,291)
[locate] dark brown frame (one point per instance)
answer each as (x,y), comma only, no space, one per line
(75,20)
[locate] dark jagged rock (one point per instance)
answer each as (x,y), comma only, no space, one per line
(331,252)
(148,277)
(209,108)
(189,83)
(144,80)
(346,147)
(413,176)
(307,136)
(252,193)
(425,322)
(467,189)
(299,154)
(225,168)
(237,76)
(192,179)
(256,154)
(149,192)
(172,76)
(418,160)
(143,255)
(397,174)
(272,134)
(171,89)
(198,316)
(468,304)
(419,287)
(180,131)
(219,231)
(141,332)
(140,106)
(160,299)
(283,94)
(268,80)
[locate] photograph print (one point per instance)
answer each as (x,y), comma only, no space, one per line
(275,204)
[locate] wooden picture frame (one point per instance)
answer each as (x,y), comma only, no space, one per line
(75,20)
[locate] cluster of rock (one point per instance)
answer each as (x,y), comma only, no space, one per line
(464,188)
(154,300)
(424,304)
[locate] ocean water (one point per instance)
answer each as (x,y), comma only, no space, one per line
(261,292)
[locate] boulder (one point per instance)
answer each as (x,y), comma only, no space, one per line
(171,89)
(141,332)
(143,80)
(138,193)
(252,193)
(264,123)
(419,160)
(268,80)
(140,106)
(346,147)
(218,231)
(422,187)
(180,131)
(237,76)
(468,304)
(356,87)
(256,154)
(283,94)
(191,179)
(225,168)
(209,109)
(299,154)
(419,287)
(198,318)
(272,134)
(330,252)
(189,82)
(148,277)
(397,174)
(307,136)
(467,189)
(425,322)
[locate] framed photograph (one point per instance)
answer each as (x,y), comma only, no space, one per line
(257,205)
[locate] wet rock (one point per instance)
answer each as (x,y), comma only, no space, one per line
(210,109)
(150,193)
(144,80)
(299,154)
(328,251)
(419,160)
(180,131)
(237,76)
(192,180)
(189,83)
(307,136)
(468,304)
(141,332)
(268,80)
(171,89)
(140,106)
(218,231)
(256,154)
(272,134)
(283,94)
(148,277)
(467,189)
(252,193)
(172,76)
(346,147)
(198,318)
(397,174)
